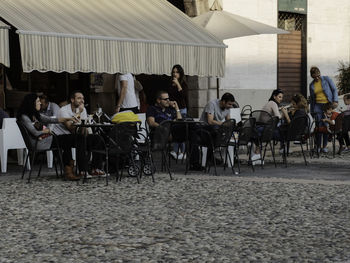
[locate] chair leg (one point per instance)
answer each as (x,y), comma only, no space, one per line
(107,171)
(32,167)
(237,158)
(167,166)
(302,150)
(273,154)
(25,165)
(41,164)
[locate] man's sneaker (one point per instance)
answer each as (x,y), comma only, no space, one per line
(325,150)
(101,173)
(180,156)
(346,149)
(173,154)
(255,157)
(82,174)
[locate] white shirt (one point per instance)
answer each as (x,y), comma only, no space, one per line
(66,112)
(130,97)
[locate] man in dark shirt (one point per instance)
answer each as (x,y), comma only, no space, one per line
(164,109)
(3,115)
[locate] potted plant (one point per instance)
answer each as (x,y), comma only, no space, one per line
(343,77)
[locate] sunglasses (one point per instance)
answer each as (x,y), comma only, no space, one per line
(165,99)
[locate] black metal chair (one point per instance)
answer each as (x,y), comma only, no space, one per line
(33,151)
(246,135)
(160,143)
(297,130)
(119,143)
(266,125)
(216,139)
(245,112)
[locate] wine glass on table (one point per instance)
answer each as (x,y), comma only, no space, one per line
(99,113)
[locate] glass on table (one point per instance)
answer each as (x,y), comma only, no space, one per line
(99,113)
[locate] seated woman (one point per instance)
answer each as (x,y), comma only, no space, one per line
(299,107)
(28,114)
(272,107)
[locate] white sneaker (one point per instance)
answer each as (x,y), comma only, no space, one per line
(173,154)
(180,156)
(325,150)
(255,157)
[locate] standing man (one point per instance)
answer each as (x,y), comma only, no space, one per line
(48,108)
(126,91)
(216,111)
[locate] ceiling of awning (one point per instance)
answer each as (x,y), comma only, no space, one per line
(111,36)
(4,45)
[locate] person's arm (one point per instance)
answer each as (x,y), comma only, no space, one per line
(211,120)
(285,114)
(123,89)
(176,107)
(151,122)
(334,91)
(30,127)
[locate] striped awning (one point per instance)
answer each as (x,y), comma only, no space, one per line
(137,36)
(4,45)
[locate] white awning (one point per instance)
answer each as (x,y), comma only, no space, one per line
(137,36)
(4,45)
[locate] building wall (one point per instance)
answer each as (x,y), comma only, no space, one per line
(328,35)
(251,61)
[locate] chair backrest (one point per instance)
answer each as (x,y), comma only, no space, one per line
(262,117)
(245,112)
(338,123)
(161,135)
(298,128)
(12,134)
(26,136)
(123,136)
(346,123)
(247,132)
(224,133)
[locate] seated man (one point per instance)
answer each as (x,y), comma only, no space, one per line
(214,114)
(216,111)
(77,110)
(48,108)
(164,109)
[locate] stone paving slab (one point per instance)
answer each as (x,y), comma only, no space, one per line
(194,218)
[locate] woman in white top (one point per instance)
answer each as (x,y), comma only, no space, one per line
(272,106)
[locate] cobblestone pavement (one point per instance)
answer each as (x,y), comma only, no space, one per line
(193,218)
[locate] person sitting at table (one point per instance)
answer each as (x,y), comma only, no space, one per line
(218,110)
(77,110)
(47,107)
(163,110)
(29,115)
(273,108)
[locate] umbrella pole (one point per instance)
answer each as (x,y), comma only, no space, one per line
(217,88)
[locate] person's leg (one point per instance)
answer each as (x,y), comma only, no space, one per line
(66,142)
(318,112)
